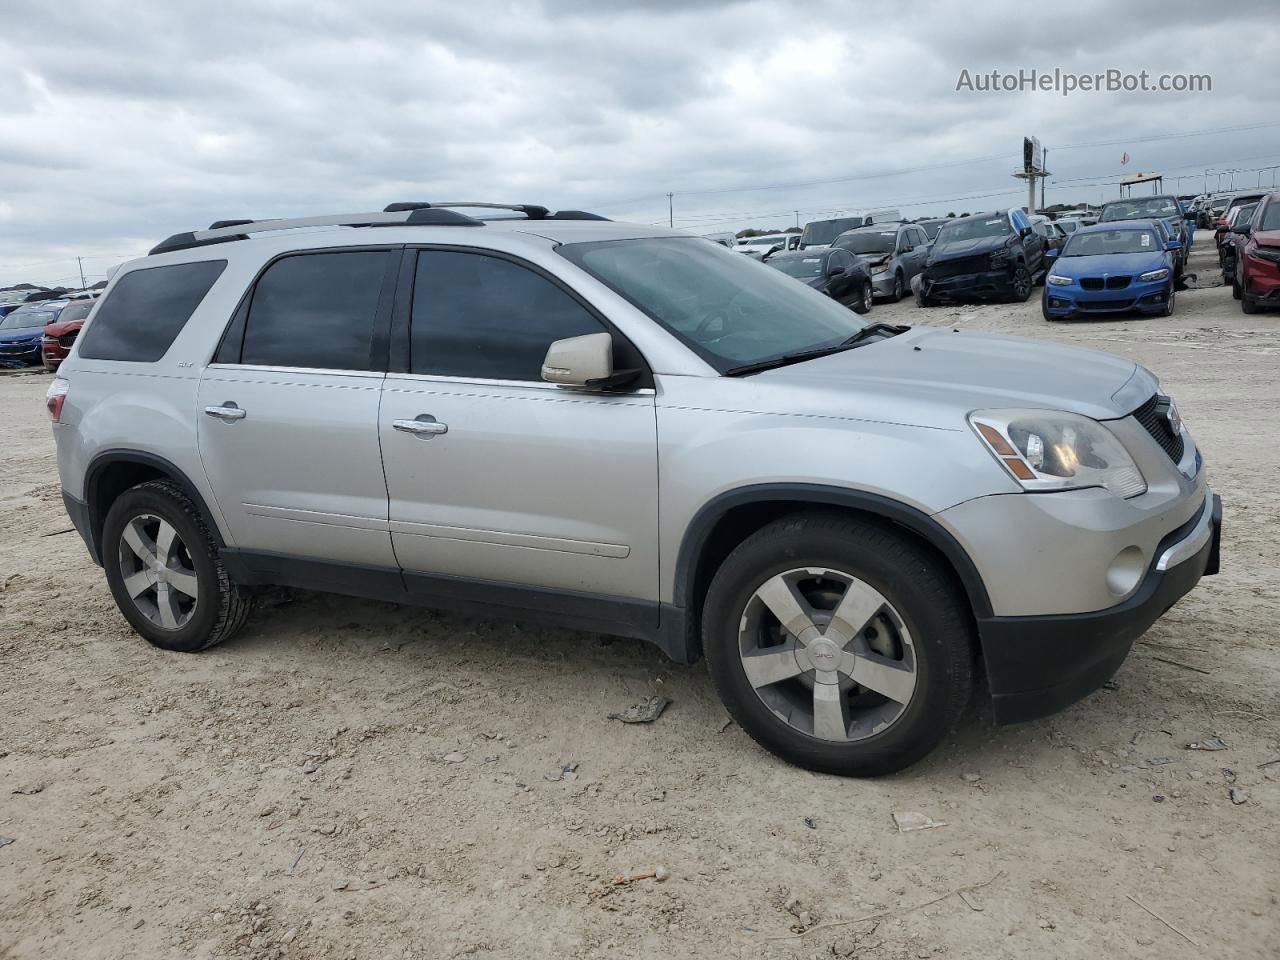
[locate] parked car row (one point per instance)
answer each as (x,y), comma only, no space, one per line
(1255,279)
(42,331)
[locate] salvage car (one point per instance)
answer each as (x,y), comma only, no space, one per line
(624,429)
(981,257)
(832,271)
(1113,268)
(1233,236)
(892,253)
(1257,280)
(60,333)
(1160,207)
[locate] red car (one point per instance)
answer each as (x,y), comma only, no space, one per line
(1257,282)
(61,334)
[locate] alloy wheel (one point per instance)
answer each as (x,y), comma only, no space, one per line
(157,571)
(827,653)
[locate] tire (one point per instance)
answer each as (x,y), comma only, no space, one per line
(1236,290)
(924,616)
(917,287)
(899,288)
(1248,304)
(868,297)
(1170,303)
(1044,308)
(187,624)
(1022,284)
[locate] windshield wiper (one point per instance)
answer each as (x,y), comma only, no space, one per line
(870,330)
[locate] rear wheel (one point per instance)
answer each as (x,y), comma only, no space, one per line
(838,645)
(165,573)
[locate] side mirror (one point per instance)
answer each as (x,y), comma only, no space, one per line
(1051,251)
(1243,229)
(1025,232)
(579,361)
(1174,244)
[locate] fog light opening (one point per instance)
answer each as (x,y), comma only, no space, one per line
(1125,571)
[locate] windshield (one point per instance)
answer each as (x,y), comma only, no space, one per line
(763,241)
(1271,217)
(730,309)
(820,233)
(800,267)
(931,227)
(971,228)
(29,316)
(882,241)
(1142,209)
(1108,242)
(1242,214)
(76,311)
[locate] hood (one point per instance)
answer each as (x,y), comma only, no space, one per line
(965,248)
(817,283)
(61,329)
(20,333)
(866,260)
(1112,264)
(934,377)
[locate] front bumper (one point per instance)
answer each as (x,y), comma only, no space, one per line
(1074,299)
(988,283)
(22,352)
(1037,665)
(882,284)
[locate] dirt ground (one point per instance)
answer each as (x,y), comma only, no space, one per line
(351,779)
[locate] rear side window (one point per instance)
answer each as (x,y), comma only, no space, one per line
(482,317)
(146,310)
(316,310)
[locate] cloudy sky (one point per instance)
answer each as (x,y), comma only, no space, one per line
(121,123)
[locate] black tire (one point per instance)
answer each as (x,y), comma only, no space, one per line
(221,608)
(1044,307)
(1170,302)
(863,305)
(1248,304)
(917,287)
(899,288)
(1020,285)
(927,598)
(1236,290)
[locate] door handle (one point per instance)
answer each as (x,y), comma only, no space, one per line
(424,425)
(228,411)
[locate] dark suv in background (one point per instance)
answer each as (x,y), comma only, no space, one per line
(983,256)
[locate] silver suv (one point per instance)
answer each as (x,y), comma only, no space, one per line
(624,429)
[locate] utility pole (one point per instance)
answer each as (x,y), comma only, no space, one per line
(797,212)
(81,266)
(671,215)
(1206,179)
(1044,161)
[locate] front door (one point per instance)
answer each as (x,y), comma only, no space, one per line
(288,413)
(497,476)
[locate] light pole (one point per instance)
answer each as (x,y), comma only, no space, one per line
(671,215)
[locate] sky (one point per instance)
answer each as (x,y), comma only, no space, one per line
(122,123)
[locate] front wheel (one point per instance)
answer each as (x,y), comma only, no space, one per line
(838,644)
(1170,302)
(863,304)
(1248,304)
(1236,290)
(164,570)
(899,288)
(1021,284)
(1044,308)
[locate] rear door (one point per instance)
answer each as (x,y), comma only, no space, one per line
(518,482)
(288,411)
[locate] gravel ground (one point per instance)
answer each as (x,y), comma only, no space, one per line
(356,779)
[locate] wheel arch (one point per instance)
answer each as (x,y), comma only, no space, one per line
(726,520)
(112,472)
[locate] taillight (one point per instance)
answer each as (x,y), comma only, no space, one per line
(56,397)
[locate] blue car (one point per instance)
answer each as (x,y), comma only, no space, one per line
(1113,268)
(20,332)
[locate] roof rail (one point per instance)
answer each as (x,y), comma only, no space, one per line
(395,214)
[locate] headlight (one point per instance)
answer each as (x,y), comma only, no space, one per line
(1056,281)
(999,259)
(1055,450)
(1154,275)
(879,268)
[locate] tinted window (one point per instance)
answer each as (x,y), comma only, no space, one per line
(77,310)
(479,316)
(1270,217)
(316,310)
(146,310)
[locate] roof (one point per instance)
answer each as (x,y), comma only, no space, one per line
(409,222)
(814,251)
(1145,223)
